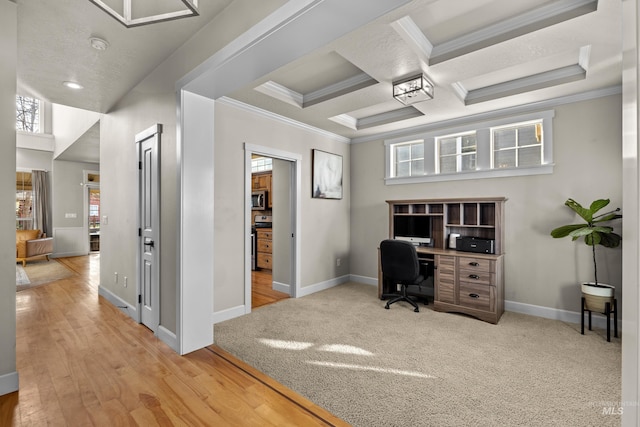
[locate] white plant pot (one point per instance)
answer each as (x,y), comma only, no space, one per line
(596,296)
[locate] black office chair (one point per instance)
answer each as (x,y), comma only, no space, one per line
(400,265)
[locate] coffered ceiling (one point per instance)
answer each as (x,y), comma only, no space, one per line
(481,55)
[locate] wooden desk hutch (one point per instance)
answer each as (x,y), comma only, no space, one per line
(464,282)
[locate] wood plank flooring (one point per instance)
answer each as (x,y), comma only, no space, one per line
(262,292)
(83,363)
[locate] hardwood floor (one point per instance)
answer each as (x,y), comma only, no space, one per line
(82,363)
(262,292)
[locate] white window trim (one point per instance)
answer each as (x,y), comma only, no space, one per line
(484,151)
(392,158)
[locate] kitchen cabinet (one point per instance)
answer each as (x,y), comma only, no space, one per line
(264,248)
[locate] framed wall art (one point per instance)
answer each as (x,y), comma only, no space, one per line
(327,175)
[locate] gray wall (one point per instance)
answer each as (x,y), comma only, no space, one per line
(8,53)
(33,159)
(539,270)
(154,101)
(324,223)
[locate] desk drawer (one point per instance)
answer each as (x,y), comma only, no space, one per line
(478,277)
(477,264)
(479,297)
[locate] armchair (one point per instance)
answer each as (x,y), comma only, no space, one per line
(32,244)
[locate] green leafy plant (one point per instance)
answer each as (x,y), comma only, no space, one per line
(593,230)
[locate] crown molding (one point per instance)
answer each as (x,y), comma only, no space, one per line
(521,109)
(277,117)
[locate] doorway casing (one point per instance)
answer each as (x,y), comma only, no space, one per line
(295,205)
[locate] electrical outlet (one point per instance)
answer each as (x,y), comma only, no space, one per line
(125,281)
(338,262)
(115,279)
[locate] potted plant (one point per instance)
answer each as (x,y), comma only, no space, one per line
(595,233)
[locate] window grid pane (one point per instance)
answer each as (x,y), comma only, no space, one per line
(457,153)
(517,146)
(409,159)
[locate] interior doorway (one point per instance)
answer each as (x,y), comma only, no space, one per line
(94,218)
(270,230)
(91,181)
(272,207)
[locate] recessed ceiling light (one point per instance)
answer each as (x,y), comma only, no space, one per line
(73,85)
(98,44)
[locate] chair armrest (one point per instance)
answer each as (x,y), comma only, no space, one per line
(39,247)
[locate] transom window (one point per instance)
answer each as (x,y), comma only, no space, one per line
(27,114)
(497,147)
(260,164)
(408,159)
(457,153)
(518,145)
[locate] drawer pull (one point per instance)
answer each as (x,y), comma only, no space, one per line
(474,264)
(474,276)
(474,295)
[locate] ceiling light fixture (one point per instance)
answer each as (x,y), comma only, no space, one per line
(149,16)
(413,89)
(73,85)
(98,44)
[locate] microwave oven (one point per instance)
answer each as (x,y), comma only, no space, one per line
(259,200)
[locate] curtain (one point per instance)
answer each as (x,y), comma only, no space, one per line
(41,197)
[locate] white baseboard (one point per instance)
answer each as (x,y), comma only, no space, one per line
(68,254)
(364,280)
(321,286)
(281,287)
(9,383)
(230,313)
(168,337)
(121,304)
(598,321)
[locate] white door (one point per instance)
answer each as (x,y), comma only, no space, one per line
(148,143)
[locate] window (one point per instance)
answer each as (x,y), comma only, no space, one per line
(518,145)
(260,164)
(408,159)
(457,153)
(24,201)
(497,147)
(27,114)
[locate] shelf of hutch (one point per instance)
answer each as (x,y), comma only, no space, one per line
(464,282)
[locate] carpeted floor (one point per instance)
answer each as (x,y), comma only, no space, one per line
(40,272)
(374,367)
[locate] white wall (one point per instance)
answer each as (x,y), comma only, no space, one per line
(324,223)
(33,159)
(539,270)
(69,124)
(68,199)
(8,55)
(154,101)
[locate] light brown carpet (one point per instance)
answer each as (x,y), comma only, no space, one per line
(374,367)
(42,272)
